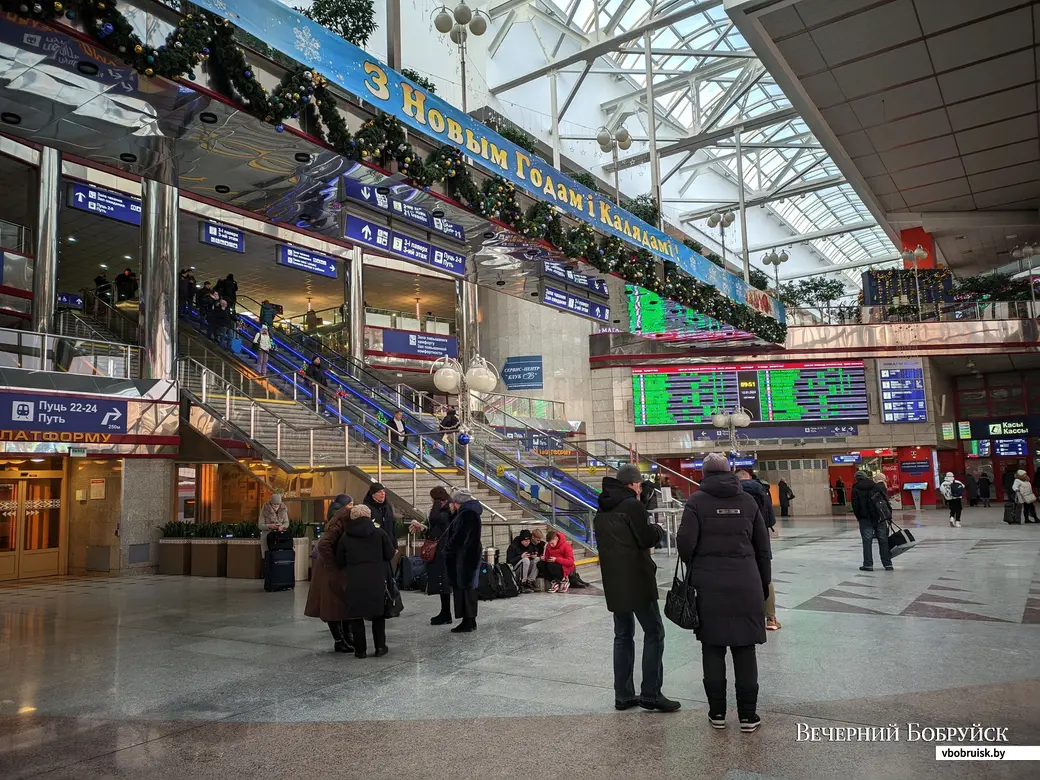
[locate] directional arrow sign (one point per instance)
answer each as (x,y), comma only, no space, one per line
(366,193)
(61,413)
(366,231)
(111,417)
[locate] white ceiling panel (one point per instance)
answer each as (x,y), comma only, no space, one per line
(988,38)
(882,185)
(1005,177)
(919,154)
(841,118)
(1024,191)
(823,90)
(933,192)
(909,130)
(856,144)
(870,165)
(963,203)
(802,55)
(936,15)
(899,66)
(1002,156)
(898,102)
(992,108)
(929,174)
(980,79)
(893,202)
(782,22)
(1018,129)
(815,12)
(864,33)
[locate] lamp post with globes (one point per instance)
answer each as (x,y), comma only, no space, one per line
(611,142)
(451,378)
(775,260)
(1026,251)
(731,420)
(722,220)
(915,256)
(457,25)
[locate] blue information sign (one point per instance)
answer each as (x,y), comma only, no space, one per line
(523,373)
(565,273)
(915,466)
(396,201)
(846,460)
(1010,448)
(114,205)
(575,305)
(304,260)
(386,240)
(903,398)
(409,342)
(71,300)
(61,414)
(784,432)
(222,236)
(734,463)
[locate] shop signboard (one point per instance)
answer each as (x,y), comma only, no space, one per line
(995,427)
(366,77)
(523,373)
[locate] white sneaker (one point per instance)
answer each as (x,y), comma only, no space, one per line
(951,521)
(957,524)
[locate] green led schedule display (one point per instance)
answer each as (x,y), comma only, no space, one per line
(686,396)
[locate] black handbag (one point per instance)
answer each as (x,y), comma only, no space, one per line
(393,605)
(899,540)
(680,605)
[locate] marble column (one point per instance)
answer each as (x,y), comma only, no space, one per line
(160,242)
(147,502)
(47,241)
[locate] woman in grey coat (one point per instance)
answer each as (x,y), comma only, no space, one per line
(723,538)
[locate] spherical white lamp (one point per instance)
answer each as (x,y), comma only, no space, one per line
(443,21)
(720,420)
(626,143)
(447,380)
(1028,250)
(457,34)
(727,218)
(463,13)
(783,257)
(479,25)
(740,418)
(714,220)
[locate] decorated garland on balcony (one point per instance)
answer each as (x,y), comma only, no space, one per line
(201,37)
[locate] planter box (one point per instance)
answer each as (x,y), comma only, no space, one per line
(209,557)
(174,556)
(243,559)
(302,548)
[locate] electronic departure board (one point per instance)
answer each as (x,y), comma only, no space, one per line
(902,390)
(686,396)
(657,318)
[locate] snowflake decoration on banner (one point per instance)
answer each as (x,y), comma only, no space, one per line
(306,43)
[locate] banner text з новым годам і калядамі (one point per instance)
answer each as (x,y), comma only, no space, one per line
(366,77)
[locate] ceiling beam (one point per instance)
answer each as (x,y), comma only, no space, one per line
(611,44)
(701,140)
(508,6)
(837,230)
(700,73)
(789,192)
(738,54)
(842,267)
(573,92)
(937,221)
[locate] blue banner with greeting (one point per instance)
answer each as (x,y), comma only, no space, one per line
(366,77)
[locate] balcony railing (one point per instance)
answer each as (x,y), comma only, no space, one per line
(955,311)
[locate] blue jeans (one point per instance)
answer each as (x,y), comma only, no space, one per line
(868,530)
(649,617)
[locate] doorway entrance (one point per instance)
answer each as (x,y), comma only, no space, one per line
(30,523)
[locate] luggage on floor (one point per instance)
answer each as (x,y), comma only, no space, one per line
(899,540)
(279,540)
(489,583)
(280,570)
(1011,514)
(507,579)
(411,573)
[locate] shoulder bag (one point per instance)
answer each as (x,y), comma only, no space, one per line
(680,605)
(428,550)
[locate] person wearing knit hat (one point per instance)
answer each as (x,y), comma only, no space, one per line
(523,559)
(463,551)
(382,511)
(724,542)
(364,552)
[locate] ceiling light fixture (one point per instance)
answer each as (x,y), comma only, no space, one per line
(383,190)
(10,118)
(72,239)
(127,257)
(437,213)
(103,265)
(223,189)
(128,157)
(87,68)
(208,117)
(302,157)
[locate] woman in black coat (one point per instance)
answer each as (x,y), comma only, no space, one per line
(463,550)
(437,523)
(364,552)
(723,538)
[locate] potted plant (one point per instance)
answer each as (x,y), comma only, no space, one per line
(209,550)
(302,549)
(175,547)
(243,552)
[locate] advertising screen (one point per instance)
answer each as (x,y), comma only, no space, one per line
(686,396)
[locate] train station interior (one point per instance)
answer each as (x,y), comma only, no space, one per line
(258,256)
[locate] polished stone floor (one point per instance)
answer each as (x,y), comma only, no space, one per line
(164,677)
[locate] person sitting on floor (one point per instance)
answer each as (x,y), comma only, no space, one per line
(557,563)
(522,557)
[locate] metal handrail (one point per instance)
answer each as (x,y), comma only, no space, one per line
(26,342)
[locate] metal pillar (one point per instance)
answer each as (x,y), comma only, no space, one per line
(355,300)
(45,265)
(554,113)
(466,323)
(393,34)
(462,58)
(743,211)
(655,162)
(617,186)
(160,242)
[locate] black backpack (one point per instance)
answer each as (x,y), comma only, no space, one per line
(489,582)
(411,573)
(507,579)
(882,510)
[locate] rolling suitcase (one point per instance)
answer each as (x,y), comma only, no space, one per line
(280,570)
(1011,514)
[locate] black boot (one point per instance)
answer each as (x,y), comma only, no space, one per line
(341,637)
(747,704)
(716,693)
(444,617)
(467,625)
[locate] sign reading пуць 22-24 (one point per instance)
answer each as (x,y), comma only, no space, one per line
(61,414)
(366,77)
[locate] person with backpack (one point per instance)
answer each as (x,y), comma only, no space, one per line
(463,550)
(758,491)
(786,495)
(872,510)
(952,490)
(625,536)
(325,596)
(1024,495)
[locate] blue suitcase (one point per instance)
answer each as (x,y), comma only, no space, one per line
(280,570)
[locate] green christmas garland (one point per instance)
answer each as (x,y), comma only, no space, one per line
(204,38)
